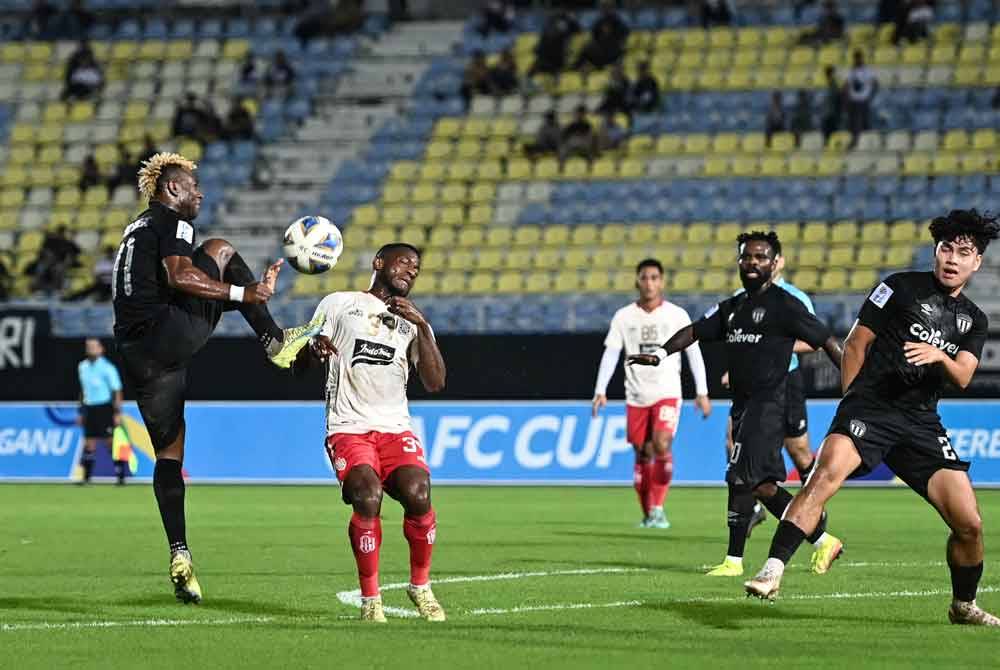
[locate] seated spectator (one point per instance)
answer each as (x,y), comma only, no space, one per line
(646,92)
(550,52)
(100,288)
(280,76)
(476,79)
(248,71)
(503,75)
(57,255)
(548,138)
(90,174)
(833,104)
(578,138)
(84,76)
(774,122)
(498,16)
(618,94)
(913,21)
(995,102)
(611,134)
(39,22)
(125,170)
(323,18)
(607,40)
(860,90)
(802,115)
(716,13)
(239,123)
(829,27)
(196,119)
(149,149)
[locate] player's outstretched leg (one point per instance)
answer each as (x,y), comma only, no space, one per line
(363,491)
(828,548)
(951,493)
(411,486)
(661,473)
(740,510)
(838,458)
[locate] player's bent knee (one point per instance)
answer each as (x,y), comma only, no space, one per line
(220,251)
(765,490)
(969,530)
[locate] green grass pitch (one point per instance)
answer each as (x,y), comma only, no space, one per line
(564,580)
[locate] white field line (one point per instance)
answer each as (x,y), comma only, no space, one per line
(134,623)
(863,564)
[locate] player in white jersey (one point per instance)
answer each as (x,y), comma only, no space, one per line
(652,394)
(369,341)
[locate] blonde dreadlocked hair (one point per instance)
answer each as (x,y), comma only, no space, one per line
(152,170)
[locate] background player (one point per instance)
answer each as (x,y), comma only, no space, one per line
(759,327)
(369,340)
(168,297)
(100,405)
(653,397)
(914,334)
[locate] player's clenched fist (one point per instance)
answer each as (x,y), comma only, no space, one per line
(323,348)
(257,293)
(406,309)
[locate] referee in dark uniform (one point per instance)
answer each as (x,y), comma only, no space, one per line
(100,403)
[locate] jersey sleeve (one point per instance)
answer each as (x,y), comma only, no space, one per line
(176,238)
(975,340)
(880,304)
(802,324)
(327,307)
(114,379)
(616,337)
(711,327)
(804,298)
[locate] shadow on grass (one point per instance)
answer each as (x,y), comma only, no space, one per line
(46,604)
(230,605)
(739,615)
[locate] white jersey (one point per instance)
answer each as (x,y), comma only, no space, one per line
(640,332)
(366,382)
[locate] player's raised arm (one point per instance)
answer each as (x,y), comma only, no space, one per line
(183,276)
(680,340)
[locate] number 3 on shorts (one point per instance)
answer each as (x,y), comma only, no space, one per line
(412,446)
(668,415)
(946,448)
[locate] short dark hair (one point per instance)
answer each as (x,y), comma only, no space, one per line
(649,263)
(770,237)
(396,246)
(980,228)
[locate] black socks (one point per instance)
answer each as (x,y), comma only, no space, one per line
(257,316)
(965,581)
(168,486)
(786,541)
(738,518)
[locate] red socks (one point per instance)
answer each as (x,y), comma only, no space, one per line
(366,540)
(419,532)
(640,481)
(661,472)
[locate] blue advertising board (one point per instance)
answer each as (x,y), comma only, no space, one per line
(464,442)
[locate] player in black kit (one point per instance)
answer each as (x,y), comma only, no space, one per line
(168,297)
(760,328)
(914,334)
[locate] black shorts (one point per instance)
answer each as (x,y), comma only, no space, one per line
(98,421)
(796,417)
(156,360)
(913,447)
(758,437)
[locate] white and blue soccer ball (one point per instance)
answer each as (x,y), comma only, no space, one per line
(313,244)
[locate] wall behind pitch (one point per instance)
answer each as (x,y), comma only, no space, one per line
(465,442)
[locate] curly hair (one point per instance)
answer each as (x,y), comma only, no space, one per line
(981,229)
(158,169)
(759,235)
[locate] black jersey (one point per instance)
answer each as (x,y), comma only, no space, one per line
(139,284)
(914,307)
(760,332)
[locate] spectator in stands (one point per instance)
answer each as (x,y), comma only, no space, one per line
(57,255)
(324,18)
(41,17)
(618,95)
(646,92)
(548,138)
(913,21)
(503,75)
(888,11)
(476,79)
(829,27)
(5,281)
(833,106)
(550,52)
(248,71)
(84,76)
(280,75)
(578,138)
(239,123)
(859,90)
(995,102)
(774,121)
(149,149)
(716,13)
(802,115)
(611,134)
(125,170)
(75,21)
(90,174)
(607,40)
(498,16)
(100,288)
(196,119)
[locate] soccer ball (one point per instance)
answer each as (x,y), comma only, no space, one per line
(313,244)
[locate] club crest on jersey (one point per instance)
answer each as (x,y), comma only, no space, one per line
(758,314)
(926,309)
(858,428)
(404,327)
(340,464)
(372,353)
(964,323)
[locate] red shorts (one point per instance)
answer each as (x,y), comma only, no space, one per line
(659,417)
(383,451)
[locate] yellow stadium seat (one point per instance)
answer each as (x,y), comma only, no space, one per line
(715,281)
(55,112)
(738,79)
(483,194)
(801,165)
(546,259)
(782,142)
(815,232)
(669,234)
(598,281)
(11,198)
(21,154)
(955,140)
(699,233)
(945,163)
(395,192)
(394,215)
(721,255)
(498,236)
(839,141)
(518,259)
(570,82)
(807,279)
(424,215)
(829,166)
(503,128)
(640,145)
(546,168)
(442,236)
(556,235)
(840,256)
(899,256)
(767,78)
(90,219)
(496,149)
(690,60)
(575,168)
(480,215)
(809,256)
(404,170)
(602,168)
(68,197)
(519,169)
(490,259)
(460,259)
(433,170)
(630,169)
(697,143)
(613,234)
(984,139)
(777,36)
(833,281)
(527,235)
(716,166)
(481,283)
(903,231)
(424,192)
(460,171)
(862,280)
(753,143)
(788,233)
(773,166)
(509,282)
(975,162)
(538,282)
(870,255)
(468,150)
(489,170)
(726,143)
(669,145)
(585,234)
(844,232)
(447,128)
(622,280)
(916,163)
(439,150)
(576,259)
(41,175)
(684,281)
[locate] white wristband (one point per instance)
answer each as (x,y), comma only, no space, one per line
(236,293)
(660,353)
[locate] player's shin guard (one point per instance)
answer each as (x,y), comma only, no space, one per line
(257,316)
(366,540)
(778,503)
(965,581)
(786,541)
(420,532)
(738,518)
(168,487)
(662,472)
